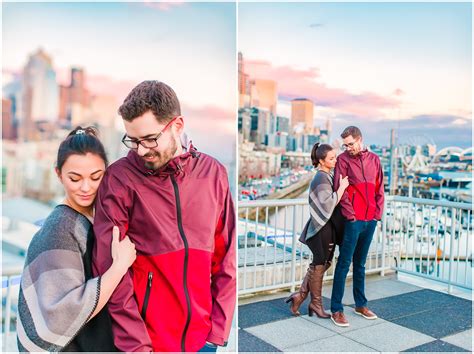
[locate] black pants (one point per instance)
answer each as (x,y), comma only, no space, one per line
(322,245)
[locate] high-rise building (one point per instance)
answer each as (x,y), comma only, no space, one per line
(74,100)
(302,110)
(277,140)
(259,125)
(8,123)
(264,94)
(40,99)
(324,137)
(282,124)
(78,91)
(13,93)
(244,121)
(307,141)
(244,84)
(329,128)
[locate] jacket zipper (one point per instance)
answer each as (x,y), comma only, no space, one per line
(366,191)
(147,295)
(185,270)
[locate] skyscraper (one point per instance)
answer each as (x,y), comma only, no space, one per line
(302,114)
(266,92)
(8,124)
(259,125)
(244,83)
(74,99)
(40,95)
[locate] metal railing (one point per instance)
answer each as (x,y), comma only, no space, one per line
(426,238)
(271,257)
(10,286)
(430,239)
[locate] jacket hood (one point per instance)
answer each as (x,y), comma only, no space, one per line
(175,166)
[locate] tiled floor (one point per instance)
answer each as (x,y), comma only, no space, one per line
(410,319)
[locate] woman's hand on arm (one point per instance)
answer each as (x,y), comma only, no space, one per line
(343,184)
(123,256)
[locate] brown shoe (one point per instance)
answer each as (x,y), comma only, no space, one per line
(366,313)
(339,319)
(315,287)
(298,297)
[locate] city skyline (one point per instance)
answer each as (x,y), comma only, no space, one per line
(198,39)
(376,65)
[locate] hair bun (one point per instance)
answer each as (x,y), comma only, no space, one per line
(86,131)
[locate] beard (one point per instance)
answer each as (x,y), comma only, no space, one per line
(162,158)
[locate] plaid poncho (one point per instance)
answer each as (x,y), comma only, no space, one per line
(322,201)
(55,299)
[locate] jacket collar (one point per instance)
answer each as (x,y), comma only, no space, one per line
(361,155)
(175,166)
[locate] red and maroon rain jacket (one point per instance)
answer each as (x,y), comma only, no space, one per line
(181,290)
(364,198)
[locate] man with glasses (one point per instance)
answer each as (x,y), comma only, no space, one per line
(174,204)
(361,206)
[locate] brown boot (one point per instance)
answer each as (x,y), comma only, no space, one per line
(298,297)
(315,287)
(327,265)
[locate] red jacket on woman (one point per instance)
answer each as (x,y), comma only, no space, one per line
(364,198)
(181,290)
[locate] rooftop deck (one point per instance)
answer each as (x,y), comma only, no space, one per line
(411,318)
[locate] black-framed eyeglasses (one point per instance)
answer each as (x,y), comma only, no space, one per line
(148,143)
(349,145)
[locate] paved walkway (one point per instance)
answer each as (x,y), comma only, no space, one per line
(411,319)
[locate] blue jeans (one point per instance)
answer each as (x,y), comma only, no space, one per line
(355,247)
(208,348)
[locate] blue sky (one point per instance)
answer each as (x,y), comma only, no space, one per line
(190,46)
(367,62)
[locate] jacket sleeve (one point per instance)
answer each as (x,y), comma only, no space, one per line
(379,192)
(347,209)
(111,208)
(223,273)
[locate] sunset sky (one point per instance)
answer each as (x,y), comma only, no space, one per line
(376,65)
(190,46)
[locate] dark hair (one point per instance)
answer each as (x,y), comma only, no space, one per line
(319,152)
(351,130)
(80,142)
(154,96)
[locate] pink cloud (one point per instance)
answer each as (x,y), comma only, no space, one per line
(212,130)
(104,85)
(162,6)
(210,119)
(294,83)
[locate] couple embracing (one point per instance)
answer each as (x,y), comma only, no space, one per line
(344,210)
(140,255)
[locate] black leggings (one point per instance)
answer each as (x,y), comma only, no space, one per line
(322,245)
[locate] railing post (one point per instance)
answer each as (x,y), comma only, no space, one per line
(293,252)
(384,235)
(451,249)
(8,306)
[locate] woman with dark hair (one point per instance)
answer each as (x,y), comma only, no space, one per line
(61,305)
(319,233)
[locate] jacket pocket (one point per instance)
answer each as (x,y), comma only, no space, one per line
(147,294)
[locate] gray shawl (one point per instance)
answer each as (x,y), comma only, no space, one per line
(322,201)
(55,300)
